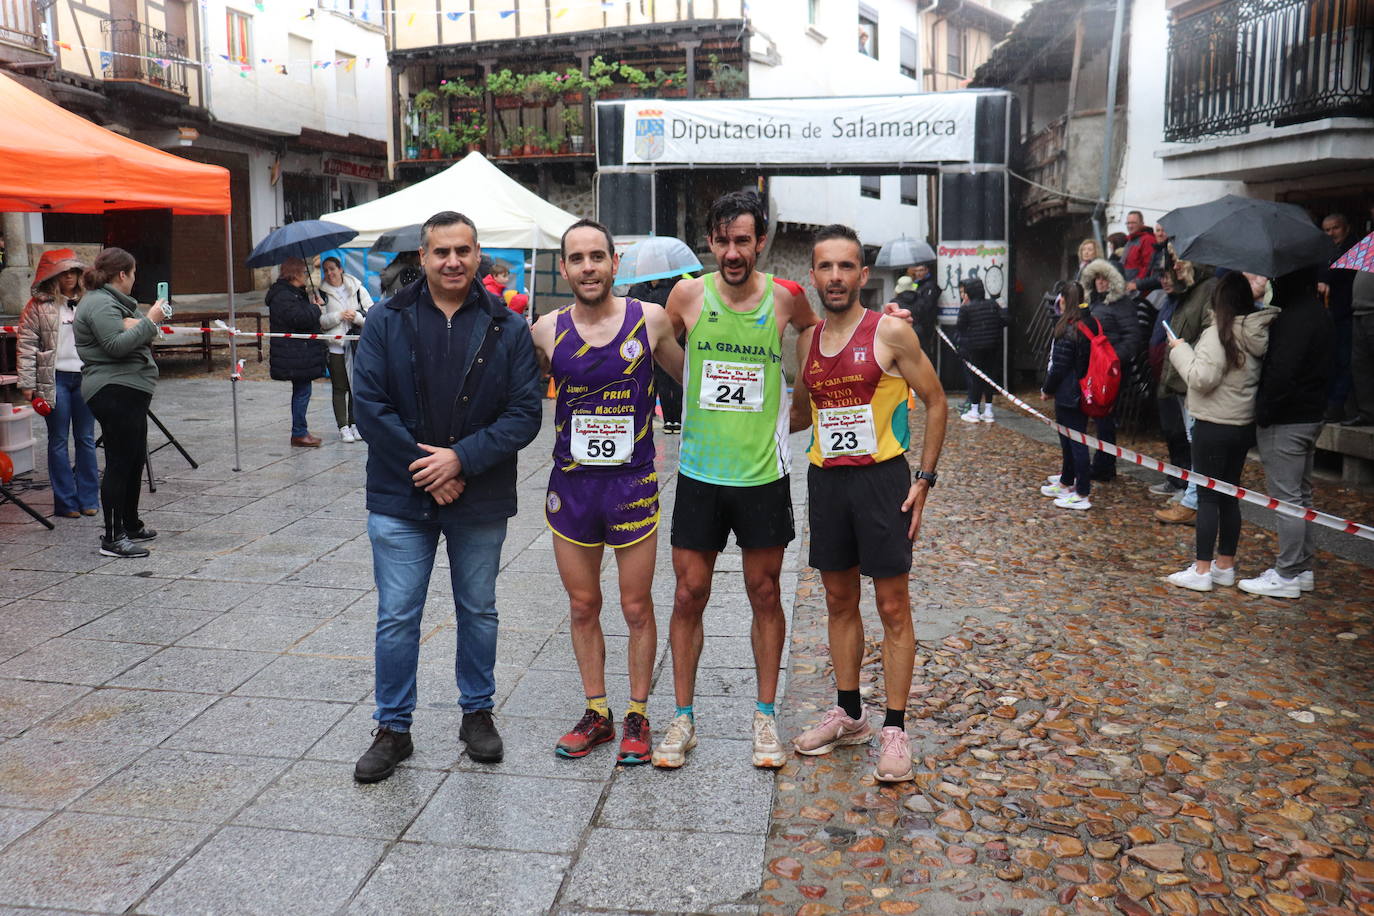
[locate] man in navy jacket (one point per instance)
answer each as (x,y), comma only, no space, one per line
(446,391)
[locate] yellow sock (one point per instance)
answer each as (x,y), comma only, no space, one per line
(639,706)
(599,705)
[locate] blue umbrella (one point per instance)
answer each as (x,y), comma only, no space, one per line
(299,239)
(654,259)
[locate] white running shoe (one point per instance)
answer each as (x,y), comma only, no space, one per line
(970,415)
(680,738)
(834,730)
(1226,577)
(1055,490)
(1306,581)
(1073,501)
(356,435)
(1272,585)
(768,749)
(1191,578)
(987,413)
(346,434)
(1053,478)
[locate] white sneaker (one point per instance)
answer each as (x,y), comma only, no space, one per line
(1191,578)
(1055,490)
(1272,585)
(768,749)
(987,413)
(1073,501)
(1226,577)
(356,435)
(346,434)
(680,738)
(1053,478)
(1306,581)
(970,415)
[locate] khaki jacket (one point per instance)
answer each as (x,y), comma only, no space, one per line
(1217,392)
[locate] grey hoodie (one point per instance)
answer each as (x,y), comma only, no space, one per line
(1217,392)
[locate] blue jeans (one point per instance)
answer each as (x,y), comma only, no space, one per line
(72,492)
(402,560)
(300,403)
(1189,500)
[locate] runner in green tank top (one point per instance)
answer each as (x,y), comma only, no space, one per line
(733,461)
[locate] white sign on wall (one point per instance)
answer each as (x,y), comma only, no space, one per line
(958,261)
(931,127)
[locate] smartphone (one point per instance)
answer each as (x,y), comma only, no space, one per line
(1168,330)
(162,290)
(162,296)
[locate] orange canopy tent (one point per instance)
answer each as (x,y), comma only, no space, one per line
(54,161)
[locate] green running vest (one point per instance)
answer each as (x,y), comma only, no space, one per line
(734,418)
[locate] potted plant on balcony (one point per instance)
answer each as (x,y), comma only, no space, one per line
(506,87)
(671,84)
(541,88)
(571,85)
(637,79)
(572,127)
(727,80)
(459,88)
(600,79)
(433,124)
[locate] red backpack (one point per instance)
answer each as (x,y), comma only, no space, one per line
(1098,388)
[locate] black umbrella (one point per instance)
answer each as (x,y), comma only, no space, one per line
(1241,233)
(300,239)
(406,238)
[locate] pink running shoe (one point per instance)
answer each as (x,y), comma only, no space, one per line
(894,763)
(834,730)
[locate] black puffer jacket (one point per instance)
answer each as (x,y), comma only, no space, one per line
(1069,359)
(1299,361)
(980,325)
(291,312)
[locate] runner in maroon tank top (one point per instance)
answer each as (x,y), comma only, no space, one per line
(603,489)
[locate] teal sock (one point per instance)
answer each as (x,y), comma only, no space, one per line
(685,711)
(768,709)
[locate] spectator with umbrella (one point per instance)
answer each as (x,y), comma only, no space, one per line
(1336,284)
(1358,260)
(654,266)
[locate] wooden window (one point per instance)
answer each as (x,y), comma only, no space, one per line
(239,28)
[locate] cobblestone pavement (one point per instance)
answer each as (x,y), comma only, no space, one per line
(1089,738)
(177,734)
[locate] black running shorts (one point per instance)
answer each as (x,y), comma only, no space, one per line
(704,514)
(857,519)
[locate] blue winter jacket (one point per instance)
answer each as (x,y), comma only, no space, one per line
(499,410)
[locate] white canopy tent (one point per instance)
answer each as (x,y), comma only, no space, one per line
(507,215)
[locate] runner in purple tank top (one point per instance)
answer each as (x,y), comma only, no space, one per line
(603,489)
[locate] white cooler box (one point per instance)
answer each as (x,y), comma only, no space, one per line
(16,436)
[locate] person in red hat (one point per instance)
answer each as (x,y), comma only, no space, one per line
(50,377)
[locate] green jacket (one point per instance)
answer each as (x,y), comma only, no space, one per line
(1193,315)
(112,354)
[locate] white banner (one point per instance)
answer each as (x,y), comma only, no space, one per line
(958,261)
(930,127)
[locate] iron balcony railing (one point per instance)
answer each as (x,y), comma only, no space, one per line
(1247,62)
(140,53)
(21,24)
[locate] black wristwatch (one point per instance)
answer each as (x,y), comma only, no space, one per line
(930,477)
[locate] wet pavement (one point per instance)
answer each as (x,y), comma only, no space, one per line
(177,734)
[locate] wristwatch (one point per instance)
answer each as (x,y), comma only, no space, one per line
(930,477)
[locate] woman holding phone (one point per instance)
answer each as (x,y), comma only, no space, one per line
(1222,373)
(346,302)
(118,377)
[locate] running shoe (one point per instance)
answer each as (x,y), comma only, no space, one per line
(1191,578)
(1226,577)
(987,413)
(1055,490)
(970,415)
(1053,478)
(894,763)
(635,742)
(680,738)
(1073,501)
(592,729)
(768,749)
(1307,581)
(1272,585)
(834,730)
(1164,488)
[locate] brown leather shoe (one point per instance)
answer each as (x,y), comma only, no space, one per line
(1176,515)
(306,441)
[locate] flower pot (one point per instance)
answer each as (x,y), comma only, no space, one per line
(572,98)
(432,152)
(575,141)
(565,147)
(507,102)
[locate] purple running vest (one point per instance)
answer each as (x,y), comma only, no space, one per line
(606,396)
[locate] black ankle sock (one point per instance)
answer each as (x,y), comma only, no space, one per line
(849,702)
(895,718)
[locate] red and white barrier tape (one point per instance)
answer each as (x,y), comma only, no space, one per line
(1202,480)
